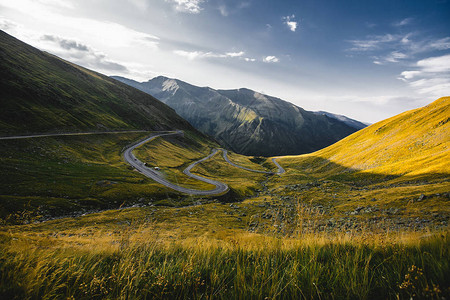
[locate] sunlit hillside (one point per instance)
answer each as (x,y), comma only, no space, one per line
(413,143)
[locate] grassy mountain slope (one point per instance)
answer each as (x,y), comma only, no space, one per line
(353,123)
(392,175)
(246,121)
(58,175)
(413,143)
(43,93)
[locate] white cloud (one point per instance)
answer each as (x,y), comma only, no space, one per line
(223,10)
(72,49)
(191,55)
(235,54)
(393,48)
(372,42)
(396,41)
(249,59)
(110,34)
(431,77)
(404,22)
(405,75)
(435,64)
(231,7)
(271,59)
(438,87)
(405,39)
(6,24)
(425,45)
(441,44)
(189,6)
(291,24)
(61,35)
(395,56)
(81,54)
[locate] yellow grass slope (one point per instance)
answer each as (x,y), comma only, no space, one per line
(413,143)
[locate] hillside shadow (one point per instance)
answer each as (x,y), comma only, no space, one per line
(321,168)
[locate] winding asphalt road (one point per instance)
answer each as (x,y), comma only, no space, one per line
(16,137)
(156,176)
(280,169)
(220,187)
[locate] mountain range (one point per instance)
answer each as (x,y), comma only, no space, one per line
(249,122)
(42,93)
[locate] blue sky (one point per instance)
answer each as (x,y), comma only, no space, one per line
(365,59)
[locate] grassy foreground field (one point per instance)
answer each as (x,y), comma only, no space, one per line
(144,254)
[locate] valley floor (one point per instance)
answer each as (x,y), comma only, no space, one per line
(289,236)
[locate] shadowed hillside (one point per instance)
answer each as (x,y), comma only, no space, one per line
(40,92)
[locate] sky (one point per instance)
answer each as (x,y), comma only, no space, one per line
(368,60)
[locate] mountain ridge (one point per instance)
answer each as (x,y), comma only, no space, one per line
(351,122)
(246,121)
(43,93)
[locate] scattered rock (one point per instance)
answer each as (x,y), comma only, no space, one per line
(359,208)
(105,183)
(421,197)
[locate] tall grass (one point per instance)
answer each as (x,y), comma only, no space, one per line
(251,267)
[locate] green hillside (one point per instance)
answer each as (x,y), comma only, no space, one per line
(59,175)
(43,93)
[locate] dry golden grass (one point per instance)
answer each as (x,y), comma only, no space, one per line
(124,254)
(413,143)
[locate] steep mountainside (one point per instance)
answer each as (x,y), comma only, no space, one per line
(350,122)
(246,121)
(40,92)
(414,143)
